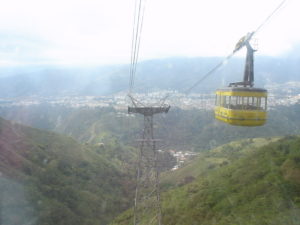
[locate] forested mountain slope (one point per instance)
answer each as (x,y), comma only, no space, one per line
(48,179)
(248,182)
(195,129)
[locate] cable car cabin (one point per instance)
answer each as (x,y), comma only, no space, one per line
(241,106)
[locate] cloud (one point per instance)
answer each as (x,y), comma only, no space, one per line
(16,48)
(99,31)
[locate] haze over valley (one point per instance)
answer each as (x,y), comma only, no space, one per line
(95,131)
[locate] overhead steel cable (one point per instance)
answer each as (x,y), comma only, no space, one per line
(139,11)
(135,44)
(269,17)
(133,41)
(230,55)
(132,44)
(139,39)
(187,91)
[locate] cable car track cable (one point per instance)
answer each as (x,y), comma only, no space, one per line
(230,55)
(269,17)
(136,39)
(139,11)
(209,73)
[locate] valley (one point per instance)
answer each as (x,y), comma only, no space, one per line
(69,153)
(252,181)
(149,112)
(89,155)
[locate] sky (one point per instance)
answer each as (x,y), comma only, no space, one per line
(100,31)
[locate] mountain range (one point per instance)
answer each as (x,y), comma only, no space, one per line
(152,75)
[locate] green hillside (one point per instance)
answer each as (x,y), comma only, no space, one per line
(86,125)
(254,181)
(46,179)
(194,130)
(213,159)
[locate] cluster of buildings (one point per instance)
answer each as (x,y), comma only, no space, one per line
(279,94)
(118,101)
(181,157)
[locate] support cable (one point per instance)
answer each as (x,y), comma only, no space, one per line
(132,44)
(135,33)
(139,41)
(269,17)
(139,12)
(188,91)
(135,42)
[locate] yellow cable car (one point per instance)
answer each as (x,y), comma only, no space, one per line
(241,104)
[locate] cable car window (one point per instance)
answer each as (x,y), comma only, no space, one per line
(252,100)
(222,100)
(224,103)
(233,102)
(229,102)
(228,99)
(238,102)
(243,102)
(259,103)
(254,103)
(247,101)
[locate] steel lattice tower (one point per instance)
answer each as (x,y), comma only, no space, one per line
(147,208)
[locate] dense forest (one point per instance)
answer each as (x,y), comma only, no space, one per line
(76,167)
(49,179)
(194,130)
(253,181)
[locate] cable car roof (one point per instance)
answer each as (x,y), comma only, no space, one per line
(242,91)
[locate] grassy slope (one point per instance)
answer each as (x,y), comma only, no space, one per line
(214,158)
(245,182)
(51,179)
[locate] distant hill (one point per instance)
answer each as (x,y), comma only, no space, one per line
(250,182)
(55,81)
(160,74)
(86,125)
(50,179)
